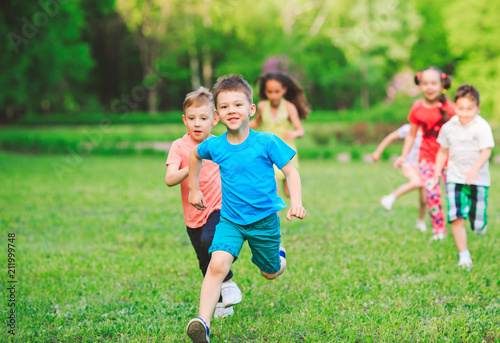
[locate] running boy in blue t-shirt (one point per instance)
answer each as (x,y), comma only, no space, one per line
(249,195)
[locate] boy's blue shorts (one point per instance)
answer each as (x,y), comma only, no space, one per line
(263,237)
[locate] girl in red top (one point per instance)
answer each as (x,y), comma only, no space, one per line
(429,114)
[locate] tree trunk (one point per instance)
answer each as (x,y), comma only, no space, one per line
(148,52)
(154,57)
(207,66)
(194,65)
(365,92)
(288,15)
(320,19)
(153,100)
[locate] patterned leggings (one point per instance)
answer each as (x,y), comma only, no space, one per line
(433,197)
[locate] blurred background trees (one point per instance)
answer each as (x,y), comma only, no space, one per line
(81,56)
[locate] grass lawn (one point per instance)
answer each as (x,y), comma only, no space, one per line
(102,256)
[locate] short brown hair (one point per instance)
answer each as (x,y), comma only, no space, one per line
(198,98)
(467,91)
(232,83)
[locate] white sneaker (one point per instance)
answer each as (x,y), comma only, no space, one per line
(231,294)
(198,331)
(221,311)
(387,201)
(482,231)
(438,237)
(421,225)
(465,263)
(282,249)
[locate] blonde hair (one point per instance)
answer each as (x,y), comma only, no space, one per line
(198,98)
(233,83)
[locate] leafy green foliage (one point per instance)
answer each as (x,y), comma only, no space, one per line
(44,54)
(432,47)
(473,30)
(90,54)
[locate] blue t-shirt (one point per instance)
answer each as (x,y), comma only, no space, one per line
(249,191)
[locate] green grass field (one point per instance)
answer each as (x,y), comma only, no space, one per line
(102,256)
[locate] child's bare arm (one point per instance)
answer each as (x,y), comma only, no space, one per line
(195,196)
(174,175)
(472,174)
(295,120)
(255,122)
(294,186)
(440,161)
(384,144)
(409,140)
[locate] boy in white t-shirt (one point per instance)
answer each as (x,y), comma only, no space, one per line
(469,139)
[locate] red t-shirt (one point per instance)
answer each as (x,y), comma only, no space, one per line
(431,121)
(210,185)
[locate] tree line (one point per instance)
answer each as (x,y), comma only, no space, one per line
(145,55)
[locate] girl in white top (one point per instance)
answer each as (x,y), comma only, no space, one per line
(410,171)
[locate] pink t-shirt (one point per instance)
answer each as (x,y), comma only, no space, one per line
(209,182)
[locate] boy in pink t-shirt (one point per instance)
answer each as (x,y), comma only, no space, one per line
(199,117)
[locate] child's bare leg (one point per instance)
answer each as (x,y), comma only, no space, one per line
(218,268)
(459,234)
(278,273)
(404,188)
(414,181)
(285,189)
(422,204)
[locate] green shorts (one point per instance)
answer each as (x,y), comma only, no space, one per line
(264,239)
(468,201)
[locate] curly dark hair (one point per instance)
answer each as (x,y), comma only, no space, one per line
(294,92)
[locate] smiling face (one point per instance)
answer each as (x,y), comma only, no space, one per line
(274,92)
(234,110)
(199,121)
(431,85)
(466,109)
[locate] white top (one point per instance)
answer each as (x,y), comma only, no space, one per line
(412,157)
(465,143)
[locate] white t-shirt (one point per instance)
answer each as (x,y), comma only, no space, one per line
(465,143)
(412,157)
